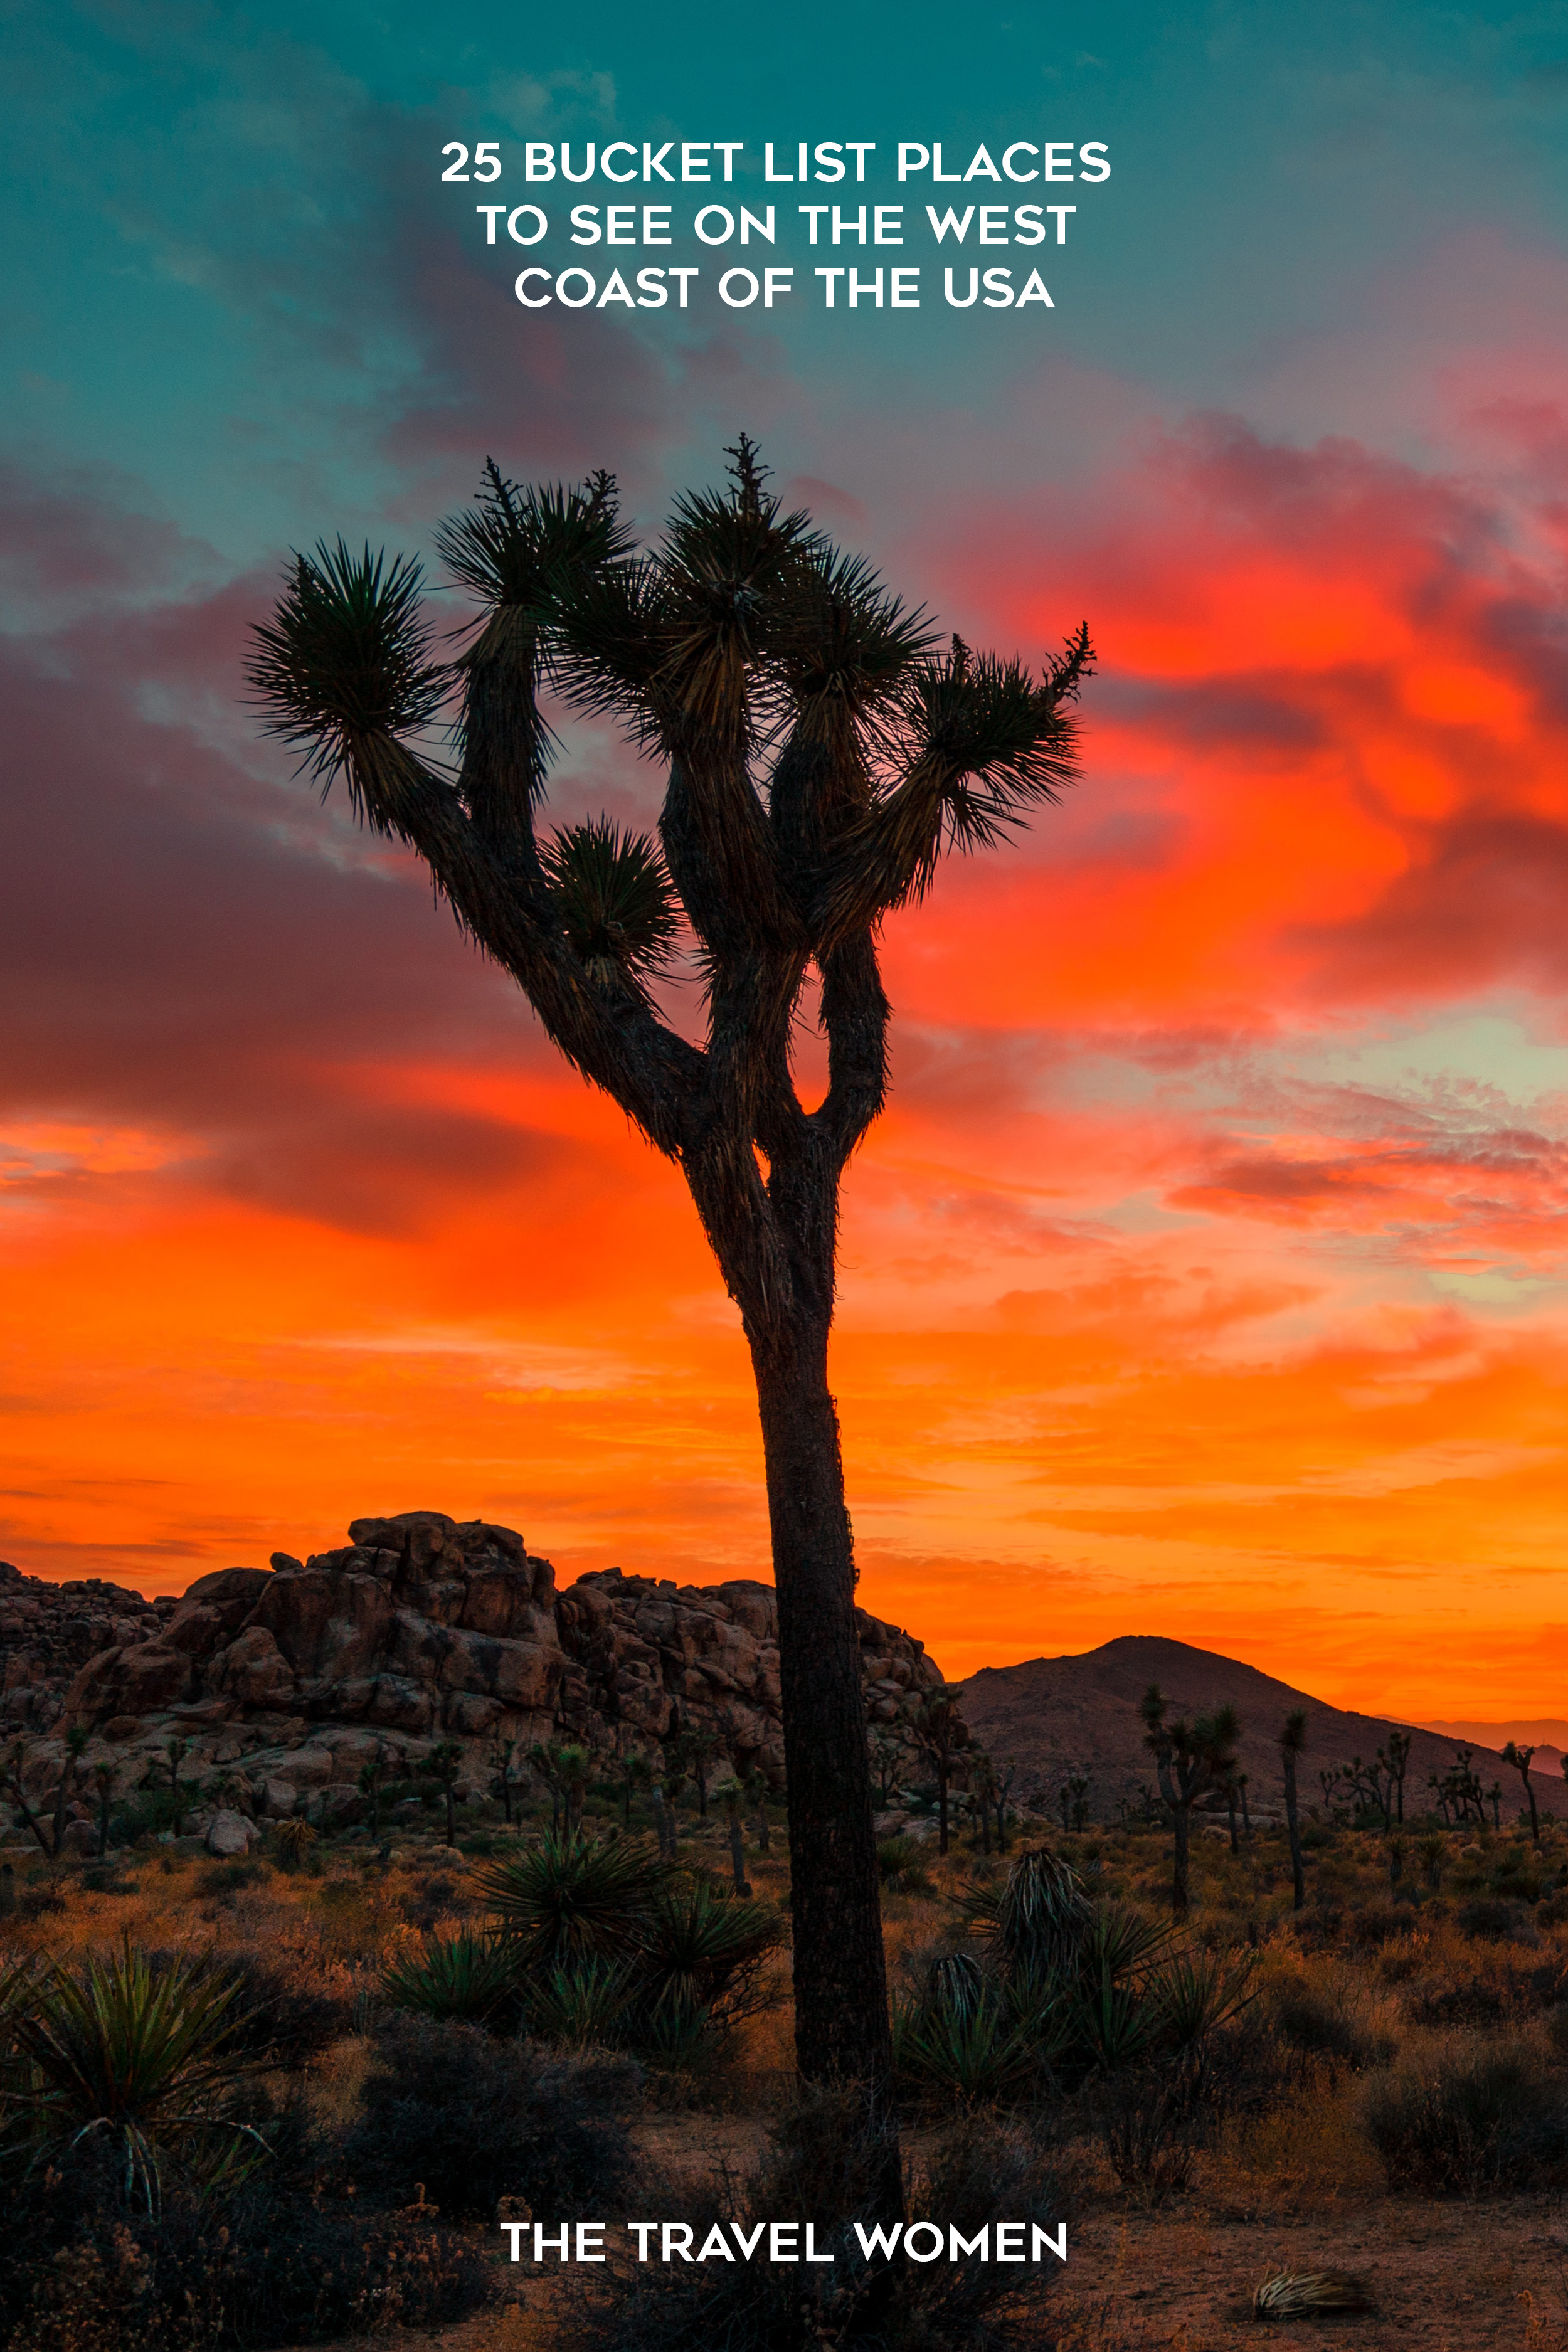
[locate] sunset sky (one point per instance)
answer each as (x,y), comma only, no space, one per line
(1206,1275)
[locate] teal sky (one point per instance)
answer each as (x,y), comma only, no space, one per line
(228,229)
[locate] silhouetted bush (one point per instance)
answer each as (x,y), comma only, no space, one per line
(279,2013)
(1314,2018)
(1490,1917)
(475,2120)
(1466,2120)
(827,2165)
(282,2260)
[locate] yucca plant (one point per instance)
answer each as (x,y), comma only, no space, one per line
(146,2058)
(980,2052)
(819,756)
(292,1841)
(572,1899)
(584,2006)
(452,1976)
(1038,1917)
(1305,2295)
(705,1950)
(1195,1992)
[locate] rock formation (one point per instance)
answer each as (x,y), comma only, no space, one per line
(289,1679)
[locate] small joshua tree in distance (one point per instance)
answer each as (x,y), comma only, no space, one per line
(1190,1758)
(1292,1740)
(1519,1758)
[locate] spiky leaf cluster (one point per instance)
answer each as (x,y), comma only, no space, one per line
(617,902)
(346,666)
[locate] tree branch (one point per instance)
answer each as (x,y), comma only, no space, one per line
(614,1038)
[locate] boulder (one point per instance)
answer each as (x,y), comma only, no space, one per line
(230,1833)
(424,1627)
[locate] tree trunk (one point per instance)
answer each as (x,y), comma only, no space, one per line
(1293,1826)
(842,2031)
(738,1857)
(1179,1895)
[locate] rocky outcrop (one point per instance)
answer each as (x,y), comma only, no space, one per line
(292,1678)
(48,1631)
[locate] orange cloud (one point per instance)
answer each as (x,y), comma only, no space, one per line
(1204,1277)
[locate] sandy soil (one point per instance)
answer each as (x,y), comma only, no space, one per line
(1443,2277)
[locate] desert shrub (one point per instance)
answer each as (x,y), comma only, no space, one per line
(222,1879)
(1487,1916)
(476,2119)
(279,2012)
(1317,2017)
(456,1976)
(1466,2119)
(1149,2132)
(148,1814)
(107,1878)
(1384,1923)
(1304,2152)
(901,1866)
(829,2165)
(275,2263)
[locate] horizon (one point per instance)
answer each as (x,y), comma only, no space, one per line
(1207,1268)
(1539,1731)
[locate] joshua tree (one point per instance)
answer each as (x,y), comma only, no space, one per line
(1190,1758)
(504,1758)
(175,1750)
(983,1784)
(938,1730)
(820,756)
(697,1750)
(886,1759)
(733,1797)
(757,1792)
(663,1821)
(636,1772)
(1292,1739)
(103,1781)
(368,1782)
(1394,1757)
(1519,1758)
(445,1762)
(1433,1850)
(77,1739)
(572,1763)
(16,1789)
(545,1758)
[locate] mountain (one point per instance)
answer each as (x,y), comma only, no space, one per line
(1548,1735)
(1059,1714)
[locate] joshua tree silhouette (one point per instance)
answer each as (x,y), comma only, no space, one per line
(820,757)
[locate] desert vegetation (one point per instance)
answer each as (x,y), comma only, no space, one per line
(286,2098)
